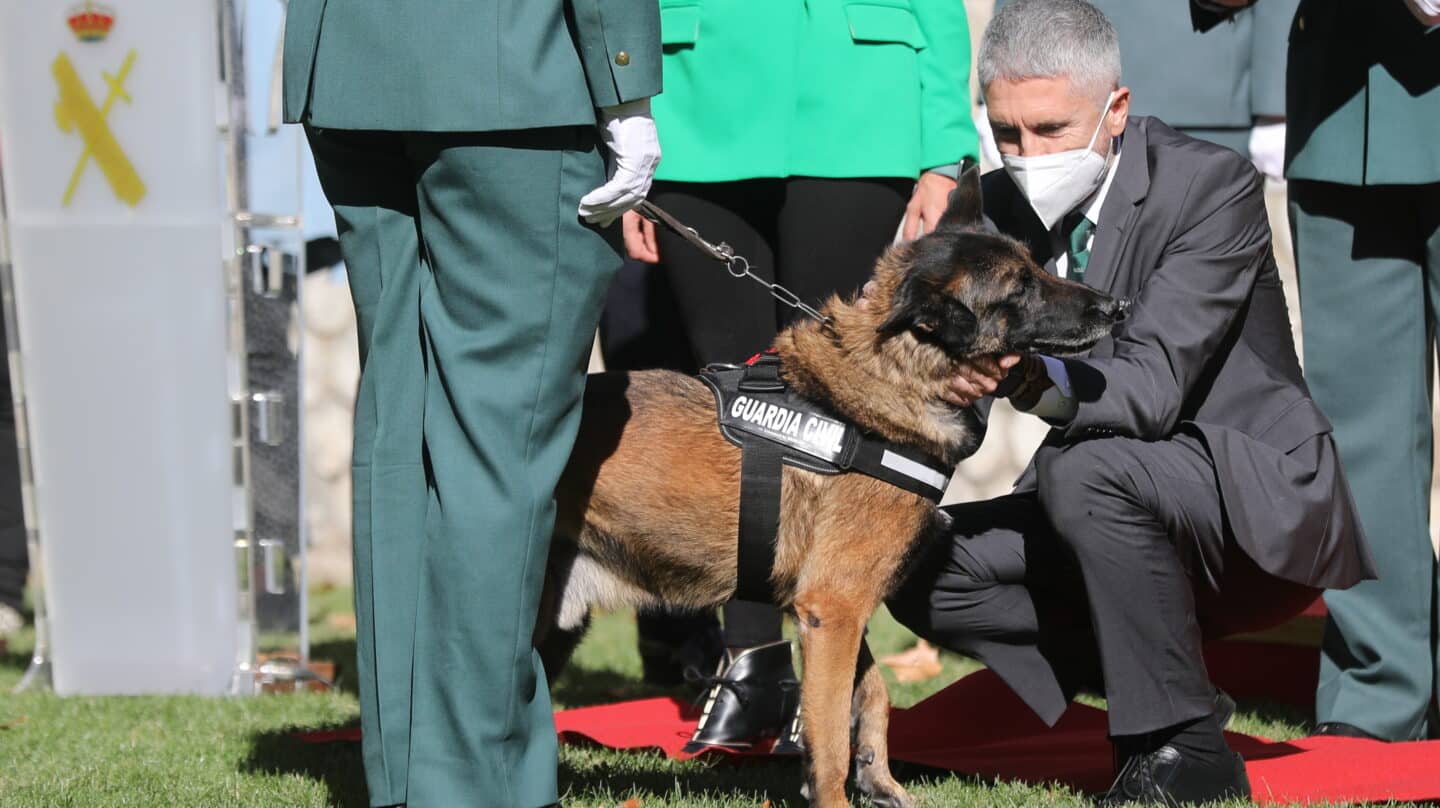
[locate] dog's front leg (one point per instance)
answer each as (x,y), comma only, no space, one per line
(830,631)
(872,722)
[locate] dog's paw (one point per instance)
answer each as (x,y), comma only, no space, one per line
(896,798)
(877,784)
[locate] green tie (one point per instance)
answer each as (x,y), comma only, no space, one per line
(1080,229)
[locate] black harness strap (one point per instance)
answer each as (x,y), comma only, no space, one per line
(760,475)
(913,471)
(774,428)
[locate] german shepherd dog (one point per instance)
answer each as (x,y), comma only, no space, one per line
(648,506)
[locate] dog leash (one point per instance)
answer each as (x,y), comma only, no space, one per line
(737,265)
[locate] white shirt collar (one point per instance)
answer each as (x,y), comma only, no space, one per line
(1092,210)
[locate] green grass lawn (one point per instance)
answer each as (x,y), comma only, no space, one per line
(188,751)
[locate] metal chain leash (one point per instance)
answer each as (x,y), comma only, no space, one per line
(737,265)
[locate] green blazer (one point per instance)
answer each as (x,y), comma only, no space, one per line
(823,88)
(466,65)
(1363,95)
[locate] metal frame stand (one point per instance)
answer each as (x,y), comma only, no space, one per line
(263,280)
(39,677)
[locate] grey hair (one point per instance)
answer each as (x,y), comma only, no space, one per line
(1050,38)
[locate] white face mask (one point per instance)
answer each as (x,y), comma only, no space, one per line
(1056,183)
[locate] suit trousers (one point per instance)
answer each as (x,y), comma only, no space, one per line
(1111,573)
(477,291)
(1368,261)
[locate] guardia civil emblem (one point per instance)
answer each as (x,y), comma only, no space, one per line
(77,113)
(91,22)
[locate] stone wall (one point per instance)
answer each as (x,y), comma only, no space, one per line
(331,373)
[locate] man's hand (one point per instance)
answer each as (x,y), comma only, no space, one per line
(978,378)
(927,204)
(1034,381)
(640,241)
(629,133)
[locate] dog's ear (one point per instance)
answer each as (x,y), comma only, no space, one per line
(933,315)
(966,208)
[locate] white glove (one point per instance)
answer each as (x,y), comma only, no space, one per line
(1267,149)
(629,133)
(1426,11)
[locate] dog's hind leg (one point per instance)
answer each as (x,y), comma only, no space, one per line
(576,583)
(830,630)
(558,645)
(562,620)
(870,712)
(554,643)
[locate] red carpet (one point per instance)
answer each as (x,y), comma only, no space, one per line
(1276,672)
(977,726)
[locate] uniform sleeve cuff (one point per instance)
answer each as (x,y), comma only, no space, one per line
(951,170)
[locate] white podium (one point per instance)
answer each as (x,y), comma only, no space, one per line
(115,231)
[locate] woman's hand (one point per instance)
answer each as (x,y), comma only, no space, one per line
(640,238)
(927,204)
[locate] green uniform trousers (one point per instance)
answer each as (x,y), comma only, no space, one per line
(477,289)
(1369,269)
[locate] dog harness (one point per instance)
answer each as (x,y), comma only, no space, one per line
(774,427)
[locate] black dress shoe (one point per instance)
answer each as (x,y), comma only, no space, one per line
(1340,729)
(1167,777)
(1224,712)
(753,698)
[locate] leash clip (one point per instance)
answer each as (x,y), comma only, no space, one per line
(737,265)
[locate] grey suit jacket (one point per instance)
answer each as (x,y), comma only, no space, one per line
(1207,347)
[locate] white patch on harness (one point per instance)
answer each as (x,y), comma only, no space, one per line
(806,429)
(910,468)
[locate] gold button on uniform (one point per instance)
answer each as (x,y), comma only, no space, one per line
(1301,22)
(622,58)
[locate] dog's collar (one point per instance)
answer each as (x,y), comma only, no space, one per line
(754,399)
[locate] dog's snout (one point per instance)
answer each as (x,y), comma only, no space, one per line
(1114,308)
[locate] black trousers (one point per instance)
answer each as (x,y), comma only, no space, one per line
(815,236)
(1110,573)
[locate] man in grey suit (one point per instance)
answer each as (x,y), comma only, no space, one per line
(1190,488)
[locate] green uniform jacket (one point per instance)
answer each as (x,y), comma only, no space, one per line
(466,65)
(1211,81)
(1210,85)
(1364,95)
(820,88)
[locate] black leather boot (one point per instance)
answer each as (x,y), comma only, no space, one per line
(792,740)
(752,698)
